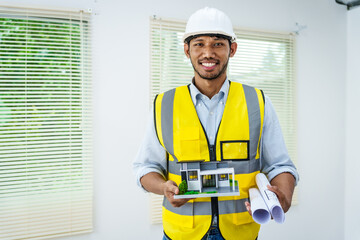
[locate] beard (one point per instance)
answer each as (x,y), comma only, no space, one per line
(211,76)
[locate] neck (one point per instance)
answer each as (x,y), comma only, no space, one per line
(209,87)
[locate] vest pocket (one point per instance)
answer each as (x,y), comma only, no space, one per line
(190,143)
(234,150)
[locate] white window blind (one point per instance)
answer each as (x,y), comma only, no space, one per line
(45,123)
(264,60)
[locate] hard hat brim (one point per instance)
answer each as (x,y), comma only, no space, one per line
(188,36)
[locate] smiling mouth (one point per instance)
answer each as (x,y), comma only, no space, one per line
(208,64)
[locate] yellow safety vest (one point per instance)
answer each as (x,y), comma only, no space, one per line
(180,132)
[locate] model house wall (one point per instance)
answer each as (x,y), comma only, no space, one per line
(207,170)
(193,184)
(327,113)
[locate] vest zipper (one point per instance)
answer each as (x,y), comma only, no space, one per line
(212,155)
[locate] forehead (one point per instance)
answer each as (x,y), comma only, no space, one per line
(208,38)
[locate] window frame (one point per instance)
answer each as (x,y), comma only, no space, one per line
(51,88)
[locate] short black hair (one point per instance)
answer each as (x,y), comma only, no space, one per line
(189,38)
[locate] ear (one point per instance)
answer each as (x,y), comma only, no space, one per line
(233,48)
(186,50)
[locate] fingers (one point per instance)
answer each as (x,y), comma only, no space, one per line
(179,202)
(276,190)
(170,189)
(248,207)
(285,204)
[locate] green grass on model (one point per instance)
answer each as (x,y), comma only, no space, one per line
(231,183)
(195,192)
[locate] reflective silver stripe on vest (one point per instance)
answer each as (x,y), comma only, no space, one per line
(232,206)
(252,102)
(241,167)
(174,167)
(204,208)
(189,209)
(167,109)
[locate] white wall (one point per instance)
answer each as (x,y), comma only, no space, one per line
(121,93)
(352,230)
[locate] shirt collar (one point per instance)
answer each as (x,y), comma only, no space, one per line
(196,94)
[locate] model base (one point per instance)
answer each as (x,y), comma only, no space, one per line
(211,192)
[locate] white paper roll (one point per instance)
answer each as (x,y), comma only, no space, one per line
(260,211)
(270,198)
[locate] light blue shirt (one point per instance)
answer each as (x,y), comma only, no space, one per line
(274,157)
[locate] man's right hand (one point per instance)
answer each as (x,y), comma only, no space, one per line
(170,189)
(155,183)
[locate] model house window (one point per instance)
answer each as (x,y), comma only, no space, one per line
(193,175)
(45,124)
(264,60)
(223,177)
(209,181)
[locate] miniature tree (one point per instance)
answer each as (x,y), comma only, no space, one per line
(183,187)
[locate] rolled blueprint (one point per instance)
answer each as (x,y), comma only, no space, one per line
(260,211)
(270,198)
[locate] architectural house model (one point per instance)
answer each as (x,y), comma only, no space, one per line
(208,179)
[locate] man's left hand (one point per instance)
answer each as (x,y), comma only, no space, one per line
(283,186)
(284,201)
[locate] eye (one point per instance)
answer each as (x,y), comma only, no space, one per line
(198,44)
(219,44)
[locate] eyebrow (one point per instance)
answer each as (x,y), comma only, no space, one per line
(198,40)
(220,38)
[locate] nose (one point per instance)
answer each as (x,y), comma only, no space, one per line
(208,52)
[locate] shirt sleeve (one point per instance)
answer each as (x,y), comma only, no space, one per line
(151,156)
(274,157)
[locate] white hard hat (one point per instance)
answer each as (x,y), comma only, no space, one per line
(209,21)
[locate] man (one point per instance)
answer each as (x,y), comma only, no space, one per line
(213,119)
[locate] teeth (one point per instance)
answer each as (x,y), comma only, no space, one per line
(208,64)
